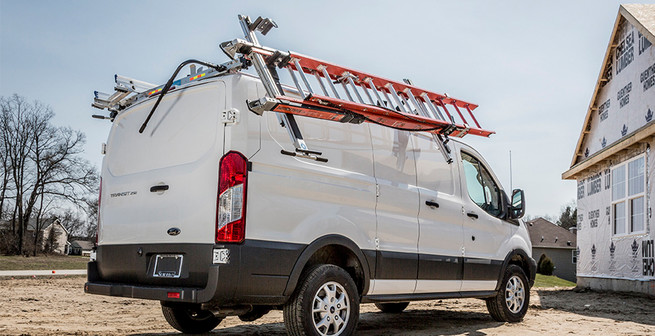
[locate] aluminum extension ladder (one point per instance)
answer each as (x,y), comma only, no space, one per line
(389,103)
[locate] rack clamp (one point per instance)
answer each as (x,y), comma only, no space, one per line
(262,105)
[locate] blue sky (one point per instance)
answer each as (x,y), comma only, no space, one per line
(530,65)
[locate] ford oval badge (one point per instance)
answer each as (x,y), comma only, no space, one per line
(174,231)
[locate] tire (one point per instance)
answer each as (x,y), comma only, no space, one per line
(189,318)
(392,308)
(513,298)
(308,314)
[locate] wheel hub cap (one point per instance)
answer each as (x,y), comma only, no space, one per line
(331,309)
(515,294)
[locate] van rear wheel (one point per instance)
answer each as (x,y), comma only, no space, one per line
(511,302)
(189,319)
(326,303)
(392,308)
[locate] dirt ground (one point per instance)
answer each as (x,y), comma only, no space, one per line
(58,306)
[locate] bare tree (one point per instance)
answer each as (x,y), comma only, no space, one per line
(43,163)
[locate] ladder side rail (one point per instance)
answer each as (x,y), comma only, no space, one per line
(315,107)
(473,117)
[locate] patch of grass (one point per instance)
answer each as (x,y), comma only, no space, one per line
(545,281)
(49,262)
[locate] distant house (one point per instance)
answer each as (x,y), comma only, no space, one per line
(557,243)
(613,162)
(81,247)
(52,235)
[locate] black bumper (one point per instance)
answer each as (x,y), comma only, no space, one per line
(257,273)
(177,294)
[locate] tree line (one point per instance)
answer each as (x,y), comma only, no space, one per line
(43,176)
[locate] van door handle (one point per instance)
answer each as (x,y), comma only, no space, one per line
(432,204)
(472,215)
(158,188)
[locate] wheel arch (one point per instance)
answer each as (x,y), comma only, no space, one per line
(520,258)
(337,250)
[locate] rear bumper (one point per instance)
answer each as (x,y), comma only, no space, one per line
(257,273)
(173,294)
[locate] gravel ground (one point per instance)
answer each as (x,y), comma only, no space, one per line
(58,306)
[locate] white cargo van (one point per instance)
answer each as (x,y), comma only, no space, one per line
(209,208)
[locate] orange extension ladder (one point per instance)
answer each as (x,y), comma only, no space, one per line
(362,97)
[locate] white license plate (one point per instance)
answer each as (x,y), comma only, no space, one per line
(168,266)
(221,256)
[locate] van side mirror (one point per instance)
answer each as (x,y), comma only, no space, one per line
(517,207)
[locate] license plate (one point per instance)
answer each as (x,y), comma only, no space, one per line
(168,266)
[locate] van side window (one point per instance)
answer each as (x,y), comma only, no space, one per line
(481,187)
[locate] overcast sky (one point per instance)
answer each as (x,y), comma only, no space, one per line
(530,65)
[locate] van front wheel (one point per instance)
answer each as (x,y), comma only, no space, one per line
(511,302)
(325,303)
(189,318)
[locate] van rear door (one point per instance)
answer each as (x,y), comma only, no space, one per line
(166,177)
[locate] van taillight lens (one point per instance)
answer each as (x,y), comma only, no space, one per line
(231,208)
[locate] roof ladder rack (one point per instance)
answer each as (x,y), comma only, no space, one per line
(348,95)
(269,77)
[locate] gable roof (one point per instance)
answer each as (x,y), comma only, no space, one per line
(83,244)
(546,234)
(642,17)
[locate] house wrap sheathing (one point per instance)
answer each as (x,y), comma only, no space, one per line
(614,162)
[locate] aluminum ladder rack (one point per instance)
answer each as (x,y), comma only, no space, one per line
(362,97)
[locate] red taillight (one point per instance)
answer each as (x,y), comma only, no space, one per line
(173,295)
(231,203)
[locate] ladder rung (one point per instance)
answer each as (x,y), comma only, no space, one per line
(302,75)
(319,79)
(323,69)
